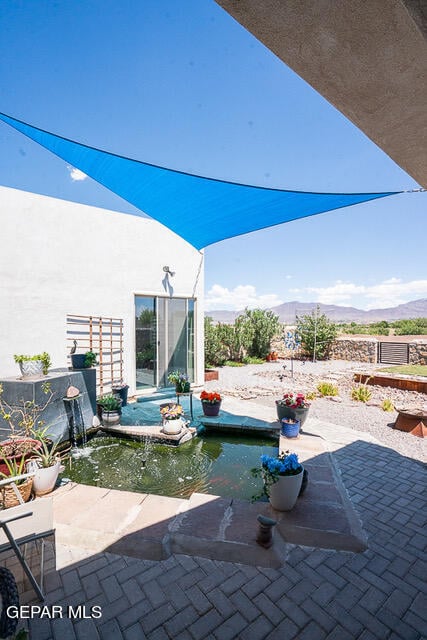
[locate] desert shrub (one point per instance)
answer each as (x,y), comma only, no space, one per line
(387,405)
(253,360)
(311,395)
(236,338)
(316,333)
(215,352)
(413,327)
(361,393)
(265,325)
(327,389)
(234,363)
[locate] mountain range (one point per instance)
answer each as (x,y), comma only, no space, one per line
(288,310)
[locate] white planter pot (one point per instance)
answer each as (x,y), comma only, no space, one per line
(45,479)
(111,418)
(173,427)
(31,368)
(284,492)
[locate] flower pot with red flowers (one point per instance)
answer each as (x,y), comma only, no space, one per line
(294,406)
(273,356)
(211,403)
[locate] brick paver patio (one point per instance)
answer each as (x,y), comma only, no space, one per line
(319,594)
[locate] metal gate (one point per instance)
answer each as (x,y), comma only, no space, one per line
(393,353)
(104,336)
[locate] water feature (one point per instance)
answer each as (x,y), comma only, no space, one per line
(76,421)
(214,464)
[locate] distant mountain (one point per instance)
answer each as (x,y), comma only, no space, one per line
(288,310)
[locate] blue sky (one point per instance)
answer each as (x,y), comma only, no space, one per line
(184,86)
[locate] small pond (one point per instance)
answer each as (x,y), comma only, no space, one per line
(215,464)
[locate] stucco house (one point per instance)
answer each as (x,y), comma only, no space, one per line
(70,272)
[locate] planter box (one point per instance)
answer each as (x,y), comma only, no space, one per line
(211,374)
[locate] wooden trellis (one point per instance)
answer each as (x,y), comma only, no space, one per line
(103,336)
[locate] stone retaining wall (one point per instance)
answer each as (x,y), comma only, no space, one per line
(418,352)
(359,349)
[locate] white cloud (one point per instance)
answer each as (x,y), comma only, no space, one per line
(236,299)
(75,174)
(388,293)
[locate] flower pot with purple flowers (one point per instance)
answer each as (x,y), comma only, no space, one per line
(180,380)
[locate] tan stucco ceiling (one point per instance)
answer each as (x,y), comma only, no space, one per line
(367,58)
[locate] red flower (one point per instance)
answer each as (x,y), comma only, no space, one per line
(211,398)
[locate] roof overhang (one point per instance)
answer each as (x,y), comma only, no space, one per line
(368,59)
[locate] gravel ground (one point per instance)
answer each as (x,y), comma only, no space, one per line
(261,384)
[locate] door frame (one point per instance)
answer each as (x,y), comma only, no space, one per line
(150,389)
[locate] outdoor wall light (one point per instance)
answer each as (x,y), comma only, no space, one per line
(167,270)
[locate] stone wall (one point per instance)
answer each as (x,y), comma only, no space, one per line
(358,349)
(418,352)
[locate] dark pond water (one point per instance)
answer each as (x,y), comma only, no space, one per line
(219,465)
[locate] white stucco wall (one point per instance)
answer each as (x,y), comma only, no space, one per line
(59,257)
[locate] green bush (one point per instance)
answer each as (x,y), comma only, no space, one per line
(361,393)
(265,325)
(387,405)
(316,333)
(413,327)
(253,360)
(311,395)
(215,352)
(236,338)
(327,389)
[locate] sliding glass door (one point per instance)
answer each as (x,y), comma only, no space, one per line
(164,339)
(146,341)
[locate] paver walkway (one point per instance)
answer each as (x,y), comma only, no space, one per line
(319,594)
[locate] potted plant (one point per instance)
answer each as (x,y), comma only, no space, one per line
(172,416)
(37,365)
(111,409)
(8,497)
(180,380)
(83,360)
(290,427)
(121,390)
(211,403)
(46,465)
(23,419)
(293,405)
(273,356)
(282,477)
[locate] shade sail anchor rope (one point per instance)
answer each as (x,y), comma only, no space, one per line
(201,210)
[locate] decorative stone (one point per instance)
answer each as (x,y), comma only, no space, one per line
(72,392)
(96,422)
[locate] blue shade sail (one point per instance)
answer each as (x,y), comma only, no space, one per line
(200,210)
